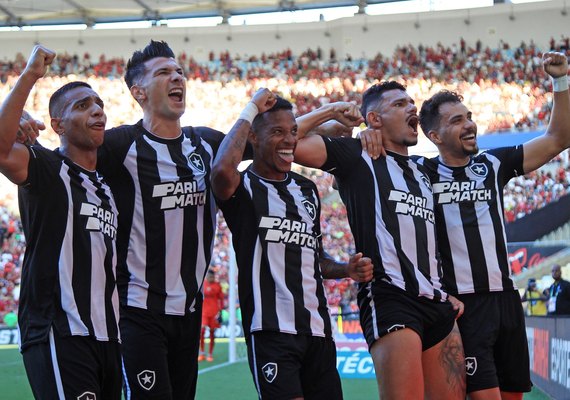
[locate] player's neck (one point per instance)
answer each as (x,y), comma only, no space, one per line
(452,161)
(86,159)
(161,127)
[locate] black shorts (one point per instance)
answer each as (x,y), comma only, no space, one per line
(385,308)
(286,366)
(494,339)
(160,354)
(74,367)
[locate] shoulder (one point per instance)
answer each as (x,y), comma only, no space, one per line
(210,135)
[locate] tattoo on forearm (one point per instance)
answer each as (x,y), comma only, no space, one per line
(452,359)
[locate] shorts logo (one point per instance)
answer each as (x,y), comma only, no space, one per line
(87,396)
(146,379)
(269,371)
(479,169)
(395,328)
(470,365)
(196,162)
(310,207)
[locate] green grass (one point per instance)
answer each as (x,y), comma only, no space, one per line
(216,380)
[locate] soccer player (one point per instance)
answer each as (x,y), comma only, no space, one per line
(159,173)
(274,215)
(469,216)
(69,307)
(406,317)
(213,304)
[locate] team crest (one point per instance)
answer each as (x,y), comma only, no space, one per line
(479,169)
(270,371)
(470,365)
(146,379)
(311,209)
(197,163)
(426,181)
(87,396)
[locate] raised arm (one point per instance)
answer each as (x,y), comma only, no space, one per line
(225,175)
(539,151)
(14,157)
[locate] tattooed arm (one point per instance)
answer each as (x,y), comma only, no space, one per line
(359,268)
(225,175)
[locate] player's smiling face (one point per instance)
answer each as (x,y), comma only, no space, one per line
(83,119)
(274,144)
(457,132)
(164,86)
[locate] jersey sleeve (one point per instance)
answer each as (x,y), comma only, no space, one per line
(113,151)
(42,169)
(511,159)
(342,154)
(214,138)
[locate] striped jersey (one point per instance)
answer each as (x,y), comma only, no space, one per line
(167,214)
(276,234)
(390,211)
(68,275)
(470,219)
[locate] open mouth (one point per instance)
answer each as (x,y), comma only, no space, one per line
(468,137)
(176,94)
(98,125)
(413,123)
(286,155)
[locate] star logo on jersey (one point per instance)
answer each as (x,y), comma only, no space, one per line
(311,209)
(87,396)
(395,327)
(270,371)
(470,365)
(479,169)
(146,379)
(197,163)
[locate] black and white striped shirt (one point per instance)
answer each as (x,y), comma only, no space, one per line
(68,277)
(470,219)
(276,234)
(167,214)
(390,210)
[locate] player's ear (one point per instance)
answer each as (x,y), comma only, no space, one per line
(57,126)
(139,93)
(374,120)
(433,135)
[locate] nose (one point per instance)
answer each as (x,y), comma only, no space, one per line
(471,125)
(413,108)
(96,110)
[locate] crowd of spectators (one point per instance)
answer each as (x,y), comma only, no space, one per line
(505,88)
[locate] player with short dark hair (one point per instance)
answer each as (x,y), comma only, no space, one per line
(469,216)
(405,314)
(160,175)
(69,306)
(274,216)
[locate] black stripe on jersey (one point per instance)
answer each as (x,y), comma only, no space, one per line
(269,318)
(323,310)
(474,244)
(156,251)
(190,234)
(112,324)
(390,218)
(293,275)
(81,251)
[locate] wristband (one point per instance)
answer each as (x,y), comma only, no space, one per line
(249,112)
(560,84)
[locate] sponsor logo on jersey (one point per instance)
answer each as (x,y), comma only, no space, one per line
(470,365)
(146,379)
(87,396)
(269,371)
(458,192)
(179,194)
(288,231)
(99,219)
(196,163)
(410,204)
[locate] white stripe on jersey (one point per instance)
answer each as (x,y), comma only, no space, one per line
(66,260)
(55,364)
(459,255)
(136,255)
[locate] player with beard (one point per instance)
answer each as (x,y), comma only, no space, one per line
(274,215)
(467,189)
(406,317)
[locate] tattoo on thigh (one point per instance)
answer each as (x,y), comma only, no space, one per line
(452,360)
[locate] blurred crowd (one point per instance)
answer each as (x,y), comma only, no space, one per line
(505,88)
